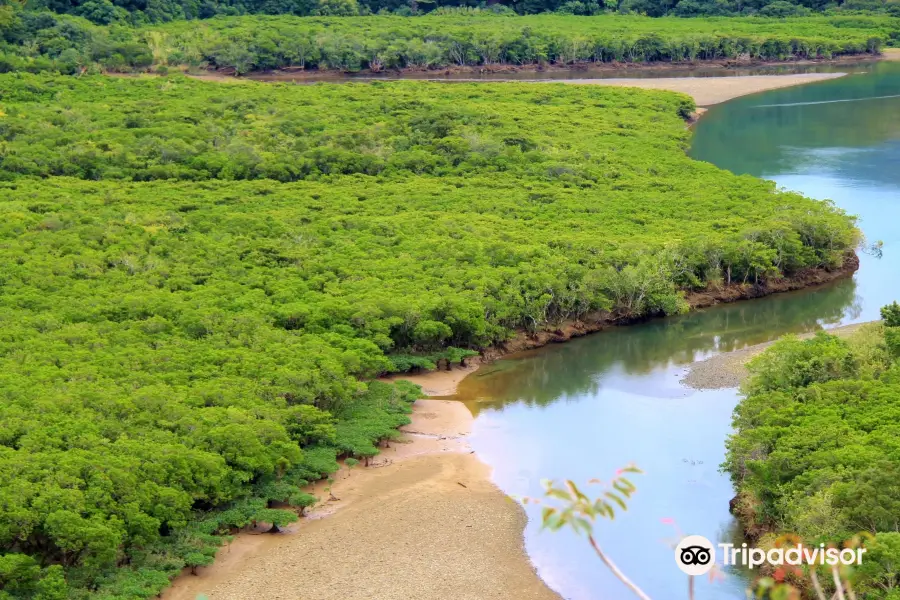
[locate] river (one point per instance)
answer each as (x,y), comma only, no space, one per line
(583,409)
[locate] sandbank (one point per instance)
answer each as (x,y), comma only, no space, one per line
(707,91)
(728,370)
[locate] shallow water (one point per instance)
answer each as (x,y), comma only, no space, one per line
(585,408)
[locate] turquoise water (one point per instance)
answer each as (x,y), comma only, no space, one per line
(583,409)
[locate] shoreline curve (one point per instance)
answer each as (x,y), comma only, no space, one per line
(706,91)
(728,370)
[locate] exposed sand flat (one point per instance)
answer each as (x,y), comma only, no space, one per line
(424,522)
(712,90)
(728,370)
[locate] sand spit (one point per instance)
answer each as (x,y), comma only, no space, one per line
(729,369)
(712,90)
(423,521)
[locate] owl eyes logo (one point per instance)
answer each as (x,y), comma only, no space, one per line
(695,555)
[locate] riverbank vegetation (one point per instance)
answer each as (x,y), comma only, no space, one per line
(198,278)
(38,42)
(815,450)
(394,43)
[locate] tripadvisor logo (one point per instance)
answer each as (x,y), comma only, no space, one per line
(696,555)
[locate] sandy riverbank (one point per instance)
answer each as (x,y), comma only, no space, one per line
(440,383)
(713,90)
(424,522)
(706,91)
(729,369)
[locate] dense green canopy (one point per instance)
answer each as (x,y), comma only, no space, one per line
(43,41)
(350,44)
(816,450)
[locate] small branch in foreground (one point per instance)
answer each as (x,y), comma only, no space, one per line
(837,584)
(615,570)
(820,593)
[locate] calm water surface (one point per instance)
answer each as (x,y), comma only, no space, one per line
(585,408)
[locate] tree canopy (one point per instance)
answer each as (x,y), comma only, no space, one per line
(35,42)
(815,451)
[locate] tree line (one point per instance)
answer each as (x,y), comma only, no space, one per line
(43,41)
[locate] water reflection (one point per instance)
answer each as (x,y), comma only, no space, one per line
(614,418)
(585,408)
(782,130)
(574,369)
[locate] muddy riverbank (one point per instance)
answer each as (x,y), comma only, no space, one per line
(706,91)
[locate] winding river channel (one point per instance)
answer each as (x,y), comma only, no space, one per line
(583,409)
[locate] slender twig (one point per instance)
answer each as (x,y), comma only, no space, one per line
(816,585)
(837,583)
(615,570)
